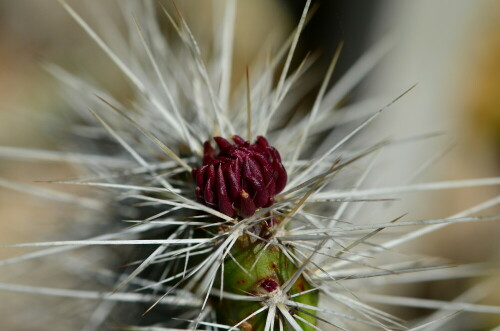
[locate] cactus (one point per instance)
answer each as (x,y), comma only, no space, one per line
(238,180)
(260,270)
(249,234)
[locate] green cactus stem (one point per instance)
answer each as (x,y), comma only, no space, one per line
(264,277)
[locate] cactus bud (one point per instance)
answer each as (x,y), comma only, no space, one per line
(241,177)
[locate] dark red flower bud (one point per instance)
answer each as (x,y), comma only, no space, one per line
(270,285)
(241,177)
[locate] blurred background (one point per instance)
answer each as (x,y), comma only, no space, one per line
(451,48)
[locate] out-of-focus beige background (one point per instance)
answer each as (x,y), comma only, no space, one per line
(463,92)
